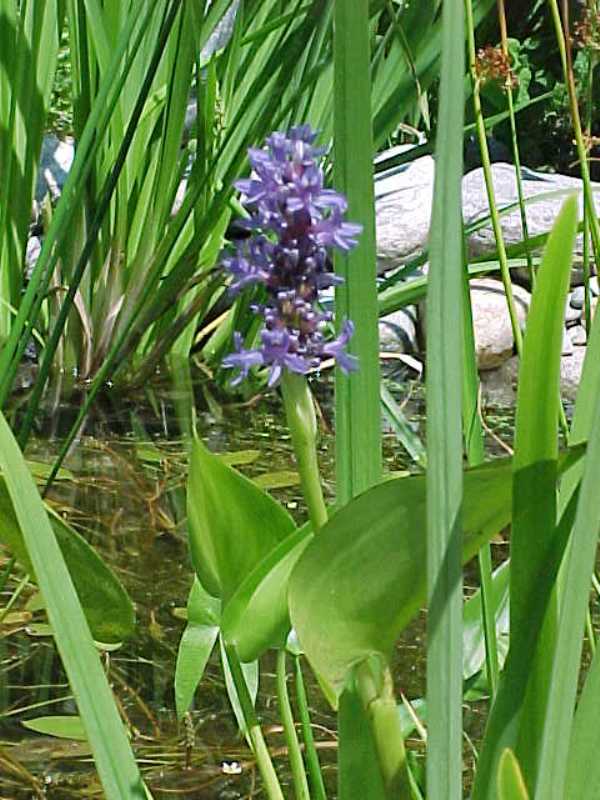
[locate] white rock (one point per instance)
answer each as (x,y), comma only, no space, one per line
(577,298)
(578,336)
(541,214)
(572,315)
(398,331)
(494,341)
(499,385)
(403,201)
(570,373)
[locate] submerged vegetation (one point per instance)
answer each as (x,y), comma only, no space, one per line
(157,261)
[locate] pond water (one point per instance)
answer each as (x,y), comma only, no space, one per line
(125,493)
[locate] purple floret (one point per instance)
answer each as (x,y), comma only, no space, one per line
(294,222)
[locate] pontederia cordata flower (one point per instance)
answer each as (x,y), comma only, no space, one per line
(293,223)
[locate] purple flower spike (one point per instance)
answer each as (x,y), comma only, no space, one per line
(294,221)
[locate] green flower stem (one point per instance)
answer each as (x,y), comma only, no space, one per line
(376,690)
(586,209)
(474,448)
(302,422)
(312,759)
(514,141)
(259,746)
(289,728)
(487,172)
(589,206)
(577,129)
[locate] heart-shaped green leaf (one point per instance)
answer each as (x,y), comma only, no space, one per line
(233,525)
(257,618)
(361,580)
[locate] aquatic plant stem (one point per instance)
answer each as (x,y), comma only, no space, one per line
(489,183)
(289,729)
(514,141)
(302,422)
(586,209)
(375,687)
(475,451)
(312,759)
(269,777)
(577,129)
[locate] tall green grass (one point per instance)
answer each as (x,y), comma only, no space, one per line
(444,427)
(358,416)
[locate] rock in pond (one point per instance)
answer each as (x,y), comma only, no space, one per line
(398,331)
(551,189)
(403,202)
(499,386)
(494,341)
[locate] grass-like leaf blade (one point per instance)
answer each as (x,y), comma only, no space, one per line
(105,731)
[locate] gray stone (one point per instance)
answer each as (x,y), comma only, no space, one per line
(578,336)
(594,287)
(570,373)
(549,188)
(572,315)
(55,162)
(404,197)
(577,298)
(403,201)
(567,344)
(398,331)
(499,386)
(221,34)
(494,341)
(34,246)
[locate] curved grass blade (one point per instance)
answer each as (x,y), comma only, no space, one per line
(105,731)
(534,508)
(566,661)
(583,765)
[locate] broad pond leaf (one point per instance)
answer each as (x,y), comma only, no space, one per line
(362,579)
(232,524)
(63,727)
(257,618)
(107,606)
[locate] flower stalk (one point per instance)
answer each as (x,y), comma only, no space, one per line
(302,422)
(259,746)
(287,718)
